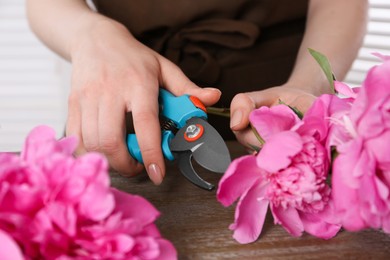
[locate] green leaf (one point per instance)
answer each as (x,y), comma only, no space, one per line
(295,109)
(325,66)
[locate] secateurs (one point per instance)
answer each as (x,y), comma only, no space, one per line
(185,135)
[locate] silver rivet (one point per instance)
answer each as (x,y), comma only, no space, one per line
(192,131)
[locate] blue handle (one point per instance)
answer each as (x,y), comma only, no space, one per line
(176,109)
(135,151)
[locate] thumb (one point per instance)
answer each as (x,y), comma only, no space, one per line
(174,80)
(243,104)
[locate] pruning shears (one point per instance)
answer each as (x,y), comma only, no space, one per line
(186,134)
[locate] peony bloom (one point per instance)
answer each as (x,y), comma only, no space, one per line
(9,249)
(56,206)
(361,171)
(288,175)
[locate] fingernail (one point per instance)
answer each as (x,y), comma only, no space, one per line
(155,174)
(236,118)
(213,89)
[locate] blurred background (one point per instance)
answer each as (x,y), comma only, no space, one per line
(34,82)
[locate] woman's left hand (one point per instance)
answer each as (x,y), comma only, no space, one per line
(243,103)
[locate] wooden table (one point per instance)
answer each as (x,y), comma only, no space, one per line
(197,224)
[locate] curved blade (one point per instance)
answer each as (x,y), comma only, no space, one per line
(185,166)
(210,150)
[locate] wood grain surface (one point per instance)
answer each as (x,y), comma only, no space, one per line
(197,224)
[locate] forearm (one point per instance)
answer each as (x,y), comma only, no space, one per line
(336,29)
(59,23)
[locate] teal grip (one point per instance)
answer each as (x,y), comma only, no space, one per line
(133,147)
(177,110)
(135,151)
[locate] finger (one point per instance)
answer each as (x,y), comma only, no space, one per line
(247,138)
(73,123)
(240,108)
(243,103)
(174,80)
(89,123)
(147,128)
(112,136)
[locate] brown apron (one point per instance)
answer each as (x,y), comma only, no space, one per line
(234,45)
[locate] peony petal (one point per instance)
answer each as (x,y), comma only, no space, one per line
(241,174)
(344,166)
(372,207)
(382,188)
(346,202)
(63,216)
(39,134)
(344,89)
(371,97)
(167,250)
(146,248)
(316,224)
(250,214)
(123,243)
(319,119)
(371,123)
(150,230)
(68,144)
(377,82)
(379,147)
(289,219)
(271,120)
(386,223)
(130,204)
(9,248)
(277,152)
(96,211)
(381,56)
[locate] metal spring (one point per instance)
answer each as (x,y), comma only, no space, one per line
(168,124)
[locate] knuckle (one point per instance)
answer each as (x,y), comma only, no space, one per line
(242,100)
(72,99)
(109,145)
(91,145)
(88,91)
(145,117)
(149,152)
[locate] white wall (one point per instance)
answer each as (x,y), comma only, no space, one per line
(34,82)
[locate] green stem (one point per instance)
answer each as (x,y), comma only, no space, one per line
(259,138)
(225,112)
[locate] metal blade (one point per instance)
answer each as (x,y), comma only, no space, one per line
(210,150)
(185,166)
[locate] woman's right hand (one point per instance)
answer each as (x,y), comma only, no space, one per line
(114,74)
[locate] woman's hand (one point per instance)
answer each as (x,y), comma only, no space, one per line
(114,74)
(243,103)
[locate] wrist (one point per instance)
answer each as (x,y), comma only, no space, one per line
(315,86)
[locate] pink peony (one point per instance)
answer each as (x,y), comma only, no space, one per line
(361,171)
(56,206)
(9,248)
(288,174)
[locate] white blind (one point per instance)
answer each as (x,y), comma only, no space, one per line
(376,40)
(34,82)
